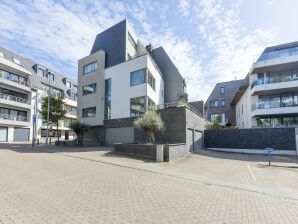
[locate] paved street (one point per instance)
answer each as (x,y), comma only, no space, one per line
(99,187)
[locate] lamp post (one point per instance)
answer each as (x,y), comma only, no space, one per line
(48,114)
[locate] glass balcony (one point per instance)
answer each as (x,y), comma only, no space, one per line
(278,54)
(274,104)
(14,99)
(14,117)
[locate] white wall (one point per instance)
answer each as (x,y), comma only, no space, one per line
(243,120)
(122,92)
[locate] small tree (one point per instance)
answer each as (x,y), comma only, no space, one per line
(215,124)
(151,123)
(57,111)
(80,129)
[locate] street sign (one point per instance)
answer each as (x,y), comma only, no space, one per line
(34,118)
(51,131)
(269,151)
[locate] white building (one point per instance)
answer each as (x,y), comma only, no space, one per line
(23,84)
(269,96)
(121,79)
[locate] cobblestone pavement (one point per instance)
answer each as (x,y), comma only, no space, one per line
(39,187)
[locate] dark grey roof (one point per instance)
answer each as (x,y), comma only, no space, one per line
(36,80)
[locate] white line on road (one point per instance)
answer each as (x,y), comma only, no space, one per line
(251,173)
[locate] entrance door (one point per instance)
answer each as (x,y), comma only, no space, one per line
(66,134)
(3,134)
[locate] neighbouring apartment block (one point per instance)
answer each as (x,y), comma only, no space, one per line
(23,84)
(269,97)
(219,102)
(120,80)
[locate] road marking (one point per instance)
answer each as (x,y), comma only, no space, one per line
(251,173)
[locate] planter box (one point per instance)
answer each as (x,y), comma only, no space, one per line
(159,153)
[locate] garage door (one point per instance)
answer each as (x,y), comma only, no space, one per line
(119,135)
(21,134)
(194,139)
(3,134)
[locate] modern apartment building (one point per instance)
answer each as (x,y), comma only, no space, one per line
(23,84)
(219,102)
(121,79)
(270,96)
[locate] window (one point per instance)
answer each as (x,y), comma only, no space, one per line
(70,110)
(51,76)
(222,90)
(150,103)
(72,95)
(151,80)
(213,116)
(1,54)
(215,103)
(211,104)
(137,77)
(41,72)
(13,77)
(89,89)
(222,103)
(223,118)
(137,106)
(242,108)
(90,68)
(68,84)
(55,133)
(132,42)
(108,88)
(89,112)
(17,61)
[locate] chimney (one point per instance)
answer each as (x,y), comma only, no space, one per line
(149,48)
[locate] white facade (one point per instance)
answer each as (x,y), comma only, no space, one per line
(271,97)
(122,91)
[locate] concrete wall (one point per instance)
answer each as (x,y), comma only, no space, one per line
(94,99)
(257,138)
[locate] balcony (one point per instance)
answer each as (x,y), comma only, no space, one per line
(15,101)
(7,119)
(260,86)
(279,59)
(274,108)
(15,83)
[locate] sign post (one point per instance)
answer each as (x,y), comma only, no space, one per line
(51,134)
(269,151)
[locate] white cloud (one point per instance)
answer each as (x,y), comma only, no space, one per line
(184,7)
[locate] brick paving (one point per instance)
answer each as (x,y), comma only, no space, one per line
(53,188)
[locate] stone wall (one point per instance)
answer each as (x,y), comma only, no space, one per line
(256,138)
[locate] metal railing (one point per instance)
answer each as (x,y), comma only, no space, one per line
(277,104)
(14,117)
(14,98)
(268,81)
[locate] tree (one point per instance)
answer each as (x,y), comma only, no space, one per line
(80,129)
(215,124)
(57,111)
(151,123)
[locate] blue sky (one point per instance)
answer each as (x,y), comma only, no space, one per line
(209,40)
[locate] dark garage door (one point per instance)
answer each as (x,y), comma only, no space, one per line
(21,134)
(119,135)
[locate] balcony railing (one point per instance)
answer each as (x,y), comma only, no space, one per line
(14,117)
(269,81)
(14,98)
(279,54)
(269,105)
(22,82)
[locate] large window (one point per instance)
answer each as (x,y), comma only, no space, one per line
(53,91)
(138,77)
(68,83)
(108,99)
(278,100)
(137,106)
(11,114)
(222,90)
(13,93)
(51,76)
(222,103)
(89,89)
(70,110)
(151,80)
(132,42)
(278,121)
(13,77)
(90,68)
(213,116)
(41,72)
(89,112)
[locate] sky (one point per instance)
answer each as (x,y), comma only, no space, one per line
(209,41)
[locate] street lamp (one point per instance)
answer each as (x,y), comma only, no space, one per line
(48,114)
